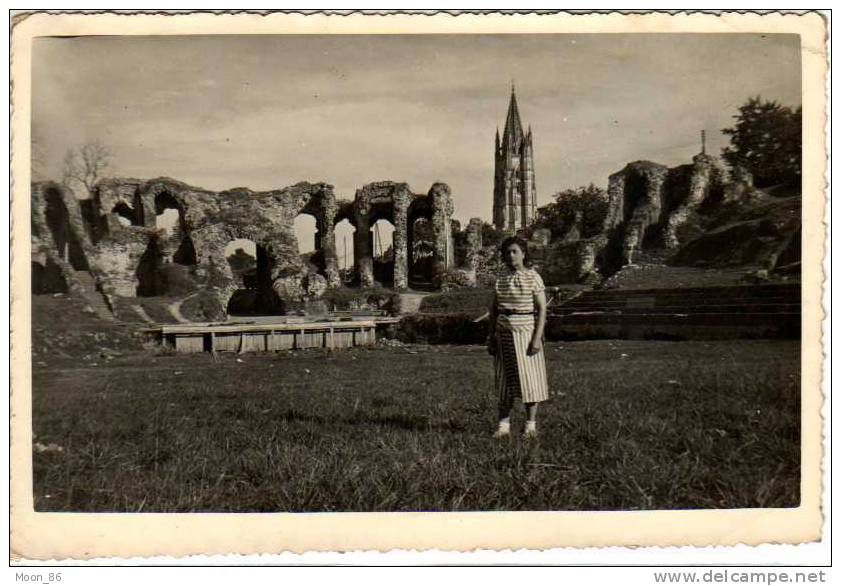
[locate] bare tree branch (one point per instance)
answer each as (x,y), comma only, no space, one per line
(86,164)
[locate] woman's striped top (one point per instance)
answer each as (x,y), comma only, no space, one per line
(515,291)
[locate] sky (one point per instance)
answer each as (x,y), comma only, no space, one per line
(267,111)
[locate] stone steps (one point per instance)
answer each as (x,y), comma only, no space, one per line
(643,275)
(675,309)
(730,291)
(126,311)
(727,312)
(93,297)
(138,310)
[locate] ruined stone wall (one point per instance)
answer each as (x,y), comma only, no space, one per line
(635,200)
(208,221)
(705,172)
(396,203)
(109,193)
(374,201)
(441,203)
(59,238)
(473,244)
(566,262)
(116,258)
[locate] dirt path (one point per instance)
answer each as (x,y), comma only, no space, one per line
(410,301)
(175,309)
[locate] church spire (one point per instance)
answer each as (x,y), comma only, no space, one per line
(514,205)
(513,127)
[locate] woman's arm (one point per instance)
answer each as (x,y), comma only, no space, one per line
(537,338)
(492,315)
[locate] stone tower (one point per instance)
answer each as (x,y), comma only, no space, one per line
(515,199)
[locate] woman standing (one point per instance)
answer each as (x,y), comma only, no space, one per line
(516,337)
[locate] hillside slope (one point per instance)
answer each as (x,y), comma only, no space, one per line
(762,233)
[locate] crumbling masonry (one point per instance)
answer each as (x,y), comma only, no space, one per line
(113,236)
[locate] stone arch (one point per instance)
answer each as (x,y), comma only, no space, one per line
(176,244)
(165,200)
(310,243)
(317,200)
(115,204)
(125,212)
(437,205)
(635,205)
(381,239)
(253,294)
(345,211)
(306,222)
(374,201)
(242,296)
(345,234)
(420,243)
(635,192)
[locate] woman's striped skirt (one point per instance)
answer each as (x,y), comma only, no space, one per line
(519,375)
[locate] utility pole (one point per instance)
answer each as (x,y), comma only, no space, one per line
(703,142)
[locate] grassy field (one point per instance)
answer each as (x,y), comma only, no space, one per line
(632,425)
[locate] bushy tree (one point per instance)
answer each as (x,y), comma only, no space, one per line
(767,141)
(590,203)
(491,236)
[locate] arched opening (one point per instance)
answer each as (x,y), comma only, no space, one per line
(58,221)
(306,232)
(421,253)
(344,234)
(125,214)
(251,266)
(168,221)
(382,251)
(169,216)
(636,187)
(309,243)
(176,254)
(151,279)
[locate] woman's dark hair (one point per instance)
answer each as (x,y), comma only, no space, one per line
(521,242)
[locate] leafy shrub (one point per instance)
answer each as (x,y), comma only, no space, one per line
(345,299)
(441,329)
(471,302)
(456,279)
(585,204)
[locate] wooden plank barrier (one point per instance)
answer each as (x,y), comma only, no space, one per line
(270,337)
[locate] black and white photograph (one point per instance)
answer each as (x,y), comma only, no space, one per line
(429,273)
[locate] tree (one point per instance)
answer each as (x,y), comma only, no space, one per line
(86,165)
(767,141)
(491,236)
(587,203)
